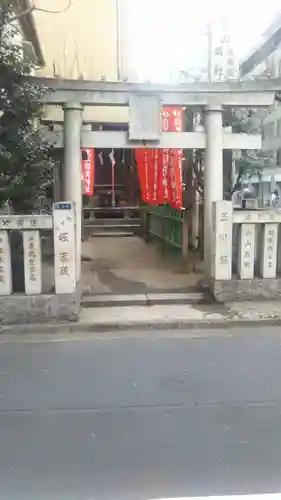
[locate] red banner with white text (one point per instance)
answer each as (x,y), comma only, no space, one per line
(88,170)
(172,121)
(144,158)
(160,171)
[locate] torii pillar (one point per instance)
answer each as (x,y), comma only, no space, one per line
(213,174)
(72,173)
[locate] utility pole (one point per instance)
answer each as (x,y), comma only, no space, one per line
(118,41)
(210,52)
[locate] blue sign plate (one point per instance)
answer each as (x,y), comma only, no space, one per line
(62,206)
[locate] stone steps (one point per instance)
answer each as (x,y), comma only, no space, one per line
(146,299)
(111,227)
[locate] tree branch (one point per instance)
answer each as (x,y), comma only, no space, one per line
(236,185)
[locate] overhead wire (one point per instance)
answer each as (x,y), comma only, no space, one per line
(33,8)
(54,11)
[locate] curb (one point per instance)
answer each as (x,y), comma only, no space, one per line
(83,327)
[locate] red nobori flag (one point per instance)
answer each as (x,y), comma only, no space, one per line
(155,177)
(144,158)
(165,174)
(175,179)
(160,171)
(88,170)
(172,121)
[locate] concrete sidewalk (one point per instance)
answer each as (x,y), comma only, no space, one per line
(180,315)
(160,317)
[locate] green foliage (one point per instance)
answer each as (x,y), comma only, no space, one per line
(25,159)
(251,162)
(242,121)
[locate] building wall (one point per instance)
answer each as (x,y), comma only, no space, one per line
(82,42)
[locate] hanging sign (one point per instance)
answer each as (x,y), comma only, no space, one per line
(172,119)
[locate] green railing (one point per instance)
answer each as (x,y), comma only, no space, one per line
(168,226)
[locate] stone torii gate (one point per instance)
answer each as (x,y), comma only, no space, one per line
(145,102)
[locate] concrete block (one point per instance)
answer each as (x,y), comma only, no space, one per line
(237,290)
(20,309)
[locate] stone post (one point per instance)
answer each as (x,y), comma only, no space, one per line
(213,174)
(72,174)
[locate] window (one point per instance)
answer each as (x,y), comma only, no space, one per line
(218,51)
(225,38)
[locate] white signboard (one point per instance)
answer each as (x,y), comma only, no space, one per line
(64,245)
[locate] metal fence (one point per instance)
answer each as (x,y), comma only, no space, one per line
(167,225)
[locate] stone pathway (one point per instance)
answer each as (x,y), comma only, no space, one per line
(130,266)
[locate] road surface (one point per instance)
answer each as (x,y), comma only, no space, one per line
(140,416)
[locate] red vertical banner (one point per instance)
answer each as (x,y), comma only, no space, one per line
(175,179)
(148,174)
(166,158)
(155,177)
(144,158)
(172,121)
(160,187)
(160,171)
(88,170)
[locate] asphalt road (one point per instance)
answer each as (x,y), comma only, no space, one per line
(140,417)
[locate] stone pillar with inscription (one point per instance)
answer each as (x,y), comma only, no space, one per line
(5,264)
(246,251)
(269,251)
(221,268)
(32,262)
(64,246)
(72,171)
(213,172)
